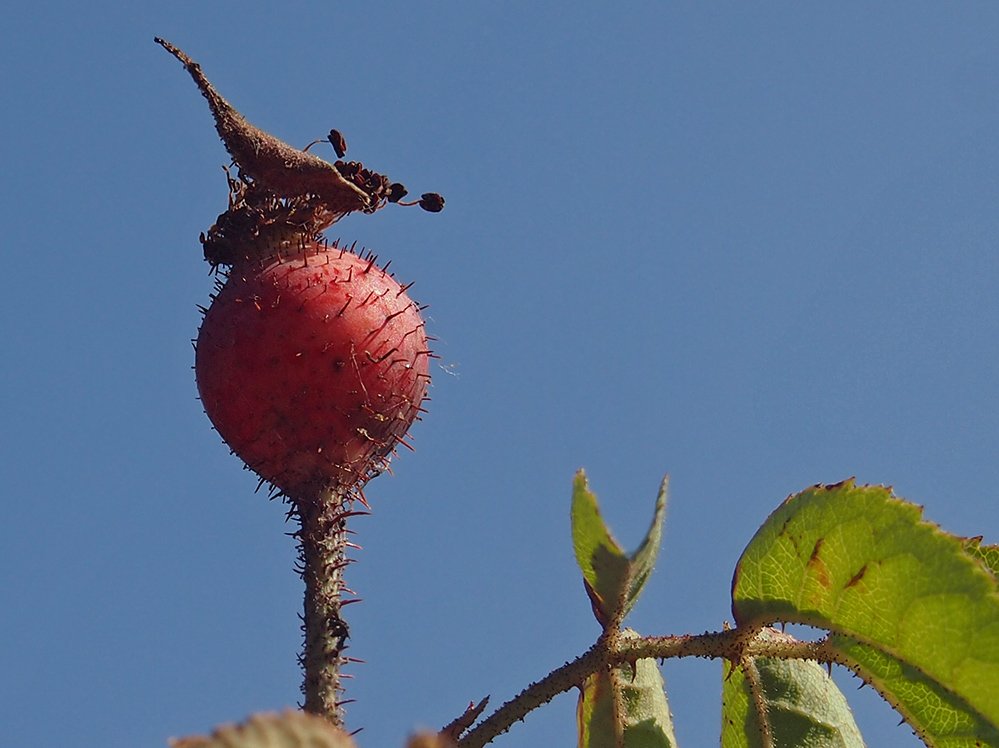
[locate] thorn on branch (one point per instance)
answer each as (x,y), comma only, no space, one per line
(457,726)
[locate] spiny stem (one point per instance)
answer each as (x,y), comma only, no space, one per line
(609,651)
(537,694)
(322,551)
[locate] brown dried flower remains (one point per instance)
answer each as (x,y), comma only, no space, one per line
(283,193)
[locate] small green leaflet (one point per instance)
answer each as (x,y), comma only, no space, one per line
(625,707)
(613,580)
(794,700)
(915,612)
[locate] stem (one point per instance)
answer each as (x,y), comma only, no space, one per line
(322,553)
(537,694)
(752,675)
(608,651)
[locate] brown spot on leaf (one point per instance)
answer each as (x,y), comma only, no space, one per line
(817,565)
(855,579)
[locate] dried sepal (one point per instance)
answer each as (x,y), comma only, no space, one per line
(282,194)
(258,223)
(262,158)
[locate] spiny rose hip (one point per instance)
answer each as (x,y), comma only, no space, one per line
(311,362)
(312,365)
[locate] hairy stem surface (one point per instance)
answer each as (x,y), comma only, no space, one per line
(322,553)
(732,645)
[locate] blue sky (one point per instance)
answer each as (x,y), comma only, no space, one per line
(751,246)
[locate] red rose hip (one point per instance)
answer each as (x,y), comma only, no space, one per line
(312,365)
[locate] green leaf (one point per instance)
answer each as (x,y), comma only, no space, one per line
(605,567)
(987,554)
(939,717)
(859,562)
(795,701)
(625,707)
(613,580)
(644,559)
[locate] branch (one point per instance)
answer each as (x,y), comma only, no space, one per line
(537,694)
(734,645)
